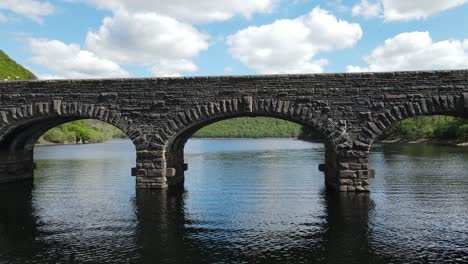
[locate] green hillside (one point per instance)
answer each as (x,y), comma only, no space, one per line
(87,131)
(251,127)
(429,128)
(9,68)
(81,131)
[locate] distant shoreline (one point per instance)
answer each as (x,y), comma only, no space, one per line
(427,141)
(388,141)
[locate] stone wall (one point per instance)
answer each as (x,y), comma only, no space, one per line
(160,114)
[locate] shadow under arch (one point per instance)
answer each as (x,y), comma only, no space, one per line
(20,130)
(187,123)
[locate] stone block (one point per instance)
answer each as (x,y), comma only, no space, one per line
(355,166)
(347,174)
(170,172)
(343,166)
(362,173)
(360,189)
(156,173)
(346,182)
(159,186)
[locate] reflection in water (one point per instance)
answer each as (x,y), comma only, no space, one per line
(17,223)
(260,201)
(347,228)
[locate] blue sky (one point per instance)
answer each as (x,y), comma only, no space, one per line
(125,38)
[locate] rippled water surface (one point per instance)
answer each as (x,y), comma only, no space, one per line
(245,201)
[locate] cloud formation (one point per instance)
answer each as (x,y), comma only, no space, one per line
(290,45)
(190,11)
(367,9)
(416,51)
(70,61)
(32,9)
(404,10)
(161,43)
(3,18)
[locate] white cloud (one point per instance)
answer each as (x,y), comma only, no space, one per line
(148,39)
(189,10)
(70,61)
(289,46)
(3,18)
(172,68)
(367,9)
(228,69)
(416,51)
(49,76)
(30,8)
(404,10)
(416,9)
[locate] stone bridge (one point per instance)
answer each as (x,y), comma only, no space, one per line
(160,114)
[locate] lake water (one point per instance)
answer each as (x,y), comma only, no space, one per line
(244,201)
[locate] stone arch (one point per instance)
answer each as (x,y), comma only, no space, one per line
(355,171)
(184,124)
(374,124)
(20,128)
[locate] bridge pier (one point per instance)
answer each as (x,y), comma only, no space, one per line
(16,162)
(13,171)
(351,177)
(153,171)
(347,170)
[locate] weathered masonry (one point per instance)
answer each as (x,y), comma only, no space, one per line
(161,114)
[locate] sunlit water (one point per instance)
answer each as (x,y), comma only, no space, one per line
(245,201)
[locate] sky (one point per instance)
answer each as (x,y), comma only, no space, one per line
(80,39)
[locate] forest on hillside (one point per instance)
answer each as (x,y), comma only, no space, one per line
(81,131)
(443,128)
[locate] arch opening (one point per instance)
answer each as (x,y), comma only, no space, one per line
(240,126)
(437,128)
(18,141)
(449,129)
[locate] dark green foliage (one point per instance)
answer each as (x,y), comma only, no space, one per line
(249,127)
(9,68)
(429,127)
(85,131)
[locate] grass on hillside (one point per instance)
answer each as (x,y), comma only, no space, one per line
(9,68)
